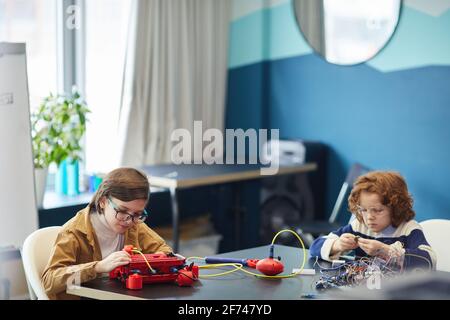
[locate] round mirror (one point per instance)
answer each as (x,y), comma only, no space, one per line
(347,32)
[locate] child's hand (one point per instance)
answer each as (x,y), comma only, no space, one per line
(115,259)
(345,242)
(373,247)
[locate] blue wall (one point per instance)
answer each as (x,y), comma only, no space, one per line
(392,112)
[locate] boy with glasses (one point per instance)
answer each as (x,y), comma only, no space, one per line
(91,243)
(384,224)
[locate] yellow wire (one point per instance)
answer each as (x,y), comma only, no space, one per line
(283,276)
(237,266)
(252,273)
(198,258)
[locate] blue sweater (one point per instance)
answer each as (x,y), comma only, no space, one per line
(408,235)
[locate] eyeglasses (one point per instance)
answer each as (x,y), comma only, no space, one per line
(374,211)
(122,215)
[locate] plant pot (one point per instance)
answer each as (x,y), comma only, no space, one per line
(40,183)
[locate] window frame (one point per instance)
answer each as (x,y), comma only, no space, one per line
(71,63)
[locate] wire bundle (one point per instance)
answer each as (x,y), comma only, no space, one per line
(354,273)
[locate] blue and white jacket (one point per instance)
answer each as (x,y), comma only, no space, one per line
(407,237)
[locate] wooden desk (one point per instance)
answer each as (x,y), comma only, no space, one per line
(176,177)
(234,286)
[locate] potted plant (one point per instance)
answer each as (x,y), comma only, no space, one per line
(57,126)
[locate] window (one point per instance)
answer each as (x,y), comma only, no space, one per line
(105,43)
(98,55)
(33,22)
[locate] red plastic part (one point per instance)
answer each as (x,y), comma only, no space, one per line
(129,249)
(185,278)
(251,263)
(270,266)
(134,282)
(167,269)
(195,272)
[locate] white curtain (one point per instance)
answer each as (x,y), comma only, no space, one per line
(175,74)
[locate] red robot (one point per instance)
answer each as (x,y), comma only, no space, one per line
(154,268)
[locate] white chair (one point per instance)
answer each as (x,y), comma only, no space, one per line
(35,255)
(437,233)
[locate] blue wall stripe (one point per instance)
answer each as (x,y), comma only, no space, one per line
(267,34)
(419,40)
(272,33)
(286,40)
(247,40)
(246,97)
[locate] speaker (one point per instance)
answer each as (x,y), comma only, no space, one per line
(285,201)
(291,199)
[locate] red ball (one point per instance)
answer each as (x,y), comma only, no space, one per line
(269,266)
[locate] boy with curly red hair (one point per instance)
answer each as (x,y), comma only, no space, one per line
(384,224)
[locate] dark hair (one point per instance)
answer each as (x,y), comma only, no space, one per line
(125,184)
(393,191)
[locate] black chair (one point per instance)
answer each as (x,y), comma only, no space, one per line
(313,229)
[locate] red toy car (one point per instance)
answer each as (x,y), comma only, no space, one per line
(163,268)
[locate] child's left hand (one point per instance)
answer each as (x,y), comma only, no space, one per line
(373,247)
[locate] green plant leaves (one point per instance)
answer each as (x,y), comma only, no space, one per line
(57,126)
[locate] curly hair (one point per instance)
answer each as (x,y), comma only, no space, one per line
(393,191)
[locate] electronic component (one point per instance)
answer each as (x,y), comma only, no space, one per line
(154,268)
(306,272)
(353,273)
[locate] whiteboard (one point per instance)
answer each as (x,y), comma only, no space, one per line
(18,212)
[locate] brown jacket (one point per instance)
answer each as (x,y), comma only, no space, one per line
(77,249)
